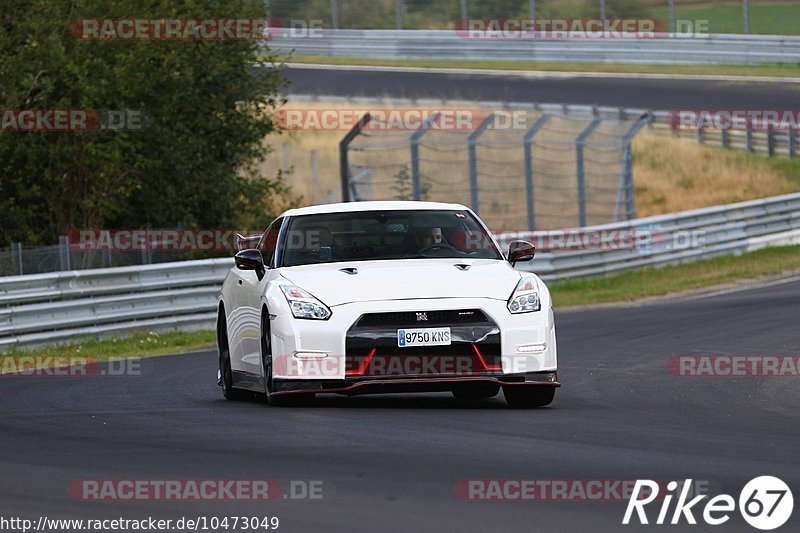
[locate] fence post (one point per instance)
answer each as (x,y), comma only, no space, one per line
(108,249)
(579,142)
(672,18)
(16,256)
(416,193)
(770,141)
(529,185)
(314,175)
(344,145)
(746,15)
(792,143)
(334,15)
(63,252)
(726,140)
(749,136)
(701,135)
(398,13)
(626,172)
(473,162)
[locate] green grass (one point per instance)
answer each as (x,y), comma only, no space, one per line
(139,344)
(675,278)
(770,19)
(778,71)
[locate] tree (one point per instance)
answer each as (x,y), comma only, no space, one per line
(403,186)
(205,113)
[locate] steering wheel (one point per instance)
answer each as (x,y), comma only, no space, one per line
(436,246)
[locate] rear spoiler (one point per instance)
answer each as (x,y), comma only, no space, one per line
(247,242)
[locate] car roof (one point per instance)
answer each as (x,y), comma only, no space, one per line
(346,207)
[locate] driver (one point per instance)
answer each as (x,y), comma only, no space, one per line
(428,237)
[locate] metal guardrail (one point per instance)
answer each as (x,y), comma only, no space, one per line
(56,307)
(451,44)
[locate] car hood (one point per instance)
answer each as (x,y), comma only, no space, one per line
(405,279)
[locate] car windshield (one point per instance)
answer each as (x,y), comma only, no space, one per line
(372,235)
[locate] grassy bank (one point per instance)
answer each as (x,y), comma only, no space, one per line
(769,19)
(139,344)
(671,279)
(776,71)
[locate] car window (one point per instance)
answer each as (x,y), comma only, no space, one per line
(372,235)
(269,241)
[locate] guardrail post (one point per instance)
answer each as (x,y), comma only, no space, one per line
(726,138)
(770,141)
(529,189)
(473,162)
(701,135)
(63,252)
(749,136)
(579,142)
(792,143)
(415,139)
(344,145)
(16,256)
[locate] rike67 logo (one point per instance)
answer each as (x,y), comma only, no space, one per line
(765,503)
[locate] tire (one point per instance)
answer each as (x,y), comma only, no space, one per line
(225,371)
(276,400)
(473,392)
(531,396)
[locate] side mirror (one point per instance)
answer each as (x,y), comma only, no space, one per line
(250,260)
(520,251)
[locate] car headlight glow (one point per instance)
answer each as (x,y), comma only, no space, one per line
(304,304)
(525,298)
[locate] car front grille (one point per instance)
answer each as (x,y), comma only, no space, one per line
(431,318)
(372,350)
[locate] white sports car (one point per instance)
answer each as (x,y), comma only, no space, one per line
(380,297)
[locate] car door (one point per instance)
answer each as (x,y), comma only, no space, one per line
(252,289)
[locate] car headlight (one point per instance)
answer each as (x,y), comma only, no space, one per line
(525,298)
(304,304)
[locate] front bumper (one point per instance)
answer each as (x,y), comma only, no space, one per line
(360,385)
(317,351)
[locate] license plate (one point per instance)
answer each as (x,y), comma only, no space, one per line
(423,337)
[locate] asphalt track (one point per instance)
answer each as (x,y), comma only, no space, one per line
(646,93)
(390,463)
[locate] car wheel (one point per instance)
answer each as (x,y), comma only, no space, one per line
(476,392)
(225,371)
(530,396)
(276,400)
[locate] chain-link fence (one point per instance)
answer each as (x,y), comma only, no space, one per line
(523,167)
(20,259)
